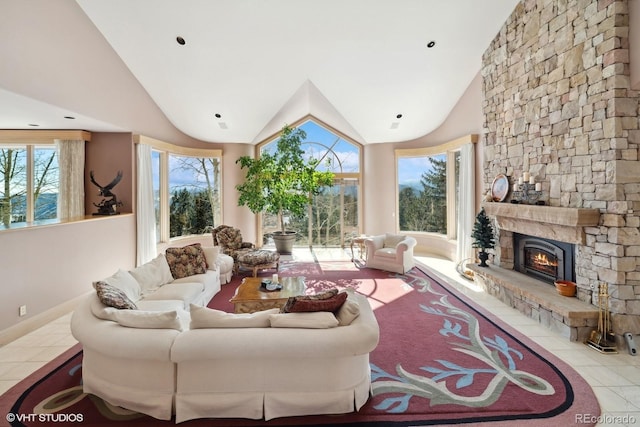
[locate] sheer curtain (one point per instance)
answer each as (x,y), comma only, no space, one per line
(466,212)
(71,190)
(145,211)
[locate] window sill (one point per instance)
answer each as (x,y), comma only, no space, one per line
(20,226)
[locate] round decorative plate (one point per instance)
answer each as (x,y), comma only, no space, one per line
(500,188)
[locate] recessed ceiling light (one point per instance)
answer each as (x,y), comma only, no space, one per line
(218,115)
(181,41)
(33,125)
(399,116)
(431,44)
(69,117)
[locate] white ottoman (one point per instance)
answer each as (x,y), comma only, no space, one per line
(225,264)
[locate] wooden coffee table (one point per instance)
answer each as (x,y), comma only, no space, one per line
(249,298)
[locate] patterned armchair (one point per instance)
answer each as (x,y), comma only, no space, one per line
(230,241)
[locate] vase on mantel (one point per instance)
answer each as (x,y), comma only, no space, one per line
(483,256)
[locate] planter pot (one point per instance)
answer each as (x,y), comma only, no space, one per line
(483,256)
(284,241)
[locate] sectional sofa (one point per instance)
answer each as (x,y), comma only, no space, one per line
(173,357)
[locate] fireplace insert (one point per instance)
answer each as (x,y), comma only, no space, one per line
(545,259)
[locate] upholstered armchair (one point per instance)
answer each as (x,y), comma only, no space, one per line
(390,252)
(230,241)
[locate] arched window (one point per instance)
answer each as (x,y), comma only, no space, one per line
(335,215)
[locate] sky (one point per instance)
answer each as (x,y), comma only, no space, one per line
(410,169)
(319,138)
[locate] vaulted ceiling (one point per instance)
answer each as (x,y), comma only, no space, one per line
(237,70)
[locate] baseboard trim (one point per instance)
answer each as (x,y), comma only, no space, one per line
(14,332)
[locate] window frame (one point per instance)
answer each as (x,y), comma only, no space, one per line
(338,176)
(31,140)
(449,149)
(166,149)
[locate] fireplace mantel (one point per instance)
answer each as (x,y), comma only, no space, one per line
(551,222)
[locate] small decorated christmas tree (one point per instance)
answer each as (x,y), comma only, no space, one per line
(483,237)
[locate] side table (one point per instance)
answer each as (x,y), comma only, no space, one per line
(359,242)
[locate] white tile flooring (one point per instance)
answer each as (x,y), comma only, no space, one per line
(615,378)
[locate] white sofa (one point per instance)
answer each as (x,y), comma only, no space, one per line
(162,363)
(131,366)
(390,252)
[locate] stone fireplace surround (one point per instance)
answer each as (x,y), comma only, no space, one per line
(558,103)
(574,318)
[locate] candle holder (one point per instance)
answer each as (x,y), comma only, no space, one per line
(526,193)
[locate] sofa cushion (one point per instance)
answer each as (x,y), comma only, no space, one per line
(317,320)
(186,292)
(211,256)
(186,261)
(386,253)
(392,240)
(204,317)
(304,303)
(148,319)
(124,281)
(153,274)
(196,278)
(160,305)
(113,296)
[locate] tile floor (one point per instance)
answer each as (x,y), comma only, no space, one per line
(615,378)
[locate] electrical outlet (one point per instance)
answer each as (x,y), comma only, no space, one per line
(22,311)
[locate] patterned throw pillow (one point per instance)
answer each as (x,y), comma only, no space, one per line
(311,303)
(113,297)
(186,261)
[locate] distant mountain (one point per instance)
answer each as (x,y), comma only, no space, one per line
(46,207)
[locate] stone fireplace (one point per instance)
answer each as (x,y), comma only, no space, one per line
(558,104)
(563,233)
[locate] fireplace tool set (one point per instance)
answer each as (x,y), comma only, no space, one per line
(603,339)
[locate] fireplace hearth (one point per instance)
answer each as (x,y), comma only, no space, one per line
(544,259)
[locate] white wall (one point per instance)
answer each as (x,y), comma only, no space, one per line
(44,267)
(380,186)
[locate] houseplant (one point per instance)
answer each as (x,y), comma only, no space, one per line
(483,236)
(282,182)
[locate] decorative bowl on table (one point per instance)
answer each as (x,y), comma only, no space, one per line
(565,288)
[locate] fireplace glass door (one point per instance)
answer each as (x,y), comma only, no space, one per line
(544,259)
(541,261)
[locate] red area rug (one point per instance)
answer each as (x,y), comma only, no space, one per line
(441,360)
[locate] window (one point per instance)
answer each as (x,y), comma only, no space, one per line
(194,192)
(428,188)
(28,184)
(334,215)
(422,201)
(187,189)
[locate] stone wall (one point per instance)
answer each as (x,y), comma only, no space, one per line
(558,103)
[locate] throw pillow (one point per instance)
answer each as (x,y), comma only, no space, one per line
(211,256)
(348,312)
(317,320)
(113,297)
(152,274)
(124,281)
(148,319)
(186,261)
(204,317)
(302,304)
(392,240)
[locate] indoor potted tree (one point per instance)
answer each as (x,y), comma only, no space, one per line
(282,182)
(483,237)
